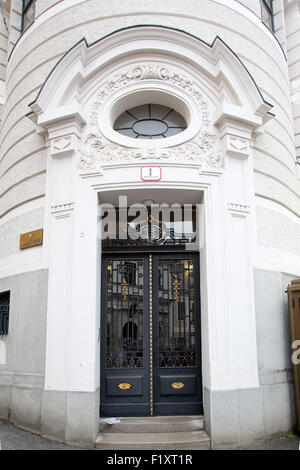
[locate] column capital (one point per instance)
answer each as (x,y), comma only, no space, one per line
(62,131)
(236,126)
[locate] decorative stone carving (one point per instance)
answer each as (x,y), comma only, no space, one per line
(62,207)
(238,210)
(61,145)
(238,144)
(203,149)
(150,71)
(61,211)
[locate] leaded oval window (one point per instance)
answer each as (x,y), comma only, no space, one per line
(150,121)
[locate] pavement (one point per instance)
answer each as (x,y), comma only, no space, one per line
(287,441)
(13,438)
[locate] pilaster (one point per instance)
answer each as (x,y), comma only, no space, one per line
(62,195)
(236,134)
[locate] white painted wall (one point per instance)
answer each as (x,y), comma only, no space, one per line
(42,5)
(4,29)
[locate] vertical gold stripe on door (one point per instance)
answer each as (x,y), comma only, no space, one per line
(151,335)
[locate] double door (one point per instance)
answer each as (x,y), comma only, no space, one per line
(150,342)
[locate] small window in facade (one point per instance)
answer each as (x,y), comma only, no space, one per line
(28,13)
(267,13)
(4,312)
(150,121)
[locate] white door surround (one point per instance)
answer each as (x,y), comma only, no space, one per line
(75,110)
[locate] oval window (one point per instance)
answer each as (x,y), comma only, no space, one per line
(150,121)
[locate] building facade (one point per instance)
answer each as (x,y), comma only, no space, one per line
(195,103)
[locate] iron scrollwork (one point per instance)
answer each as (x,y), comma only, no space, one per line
(176,322)
(125,314)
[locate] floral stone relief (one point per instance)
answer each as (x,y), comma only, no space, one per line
(204,149)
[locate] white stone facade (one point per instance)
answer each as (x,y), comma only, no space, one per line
(62,83)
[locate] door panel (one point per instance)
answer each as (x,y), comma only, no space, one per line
(150,340)
(176,320)
(178,385)
(125,336)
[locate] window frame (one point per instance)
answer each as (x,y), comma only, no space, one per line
(26,4)
(269,6)
(150,114)
(4,332)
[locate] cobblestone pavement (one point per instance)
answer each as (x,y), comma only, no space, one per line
(12,438)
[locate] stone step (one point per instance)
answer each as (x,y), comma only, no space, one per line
(192,440)
(155,424)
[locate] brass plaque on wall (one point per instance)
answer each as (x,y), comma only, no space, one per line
(30,239)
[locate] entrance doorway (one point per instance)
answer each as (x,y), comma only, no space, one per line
(150,344)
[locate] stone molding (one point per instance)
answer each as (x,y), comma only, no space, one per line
(238,210)
(62,210)
(204,150)
(149,72)
(61,145)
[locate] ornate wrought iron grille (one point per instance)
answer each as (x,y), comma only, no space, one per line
(124,313)
(4,312)
(153,233)
(150,121)
(176,315)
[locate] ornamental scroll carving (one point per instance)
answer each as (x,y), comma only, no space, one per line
(203,150)
(153,72)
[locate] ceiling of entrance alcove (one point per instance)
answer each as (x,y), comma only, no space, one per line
(169,196)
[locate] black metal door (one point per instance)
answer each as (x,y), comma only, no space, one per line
(125,358)
(150,341)
(176,335)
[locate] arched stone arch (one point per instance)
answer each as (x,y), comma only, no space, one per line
(91,83)
(83,64)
